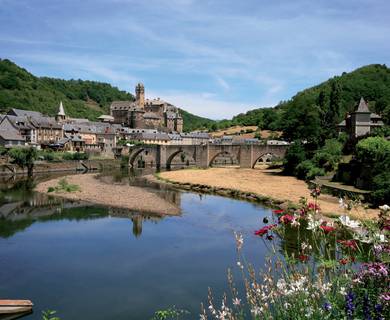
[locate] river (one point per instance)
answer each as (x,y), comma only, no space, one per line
(93,262)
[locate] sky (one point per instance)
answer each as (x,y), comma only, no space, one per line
(214,58)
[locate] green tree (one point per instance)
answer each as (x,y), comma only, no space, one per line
(24,158)
(295,155)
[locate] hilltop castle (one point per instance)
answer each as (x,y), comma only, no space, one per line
(145,113)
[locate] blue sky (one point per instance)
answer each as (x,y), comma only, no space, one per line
(215,58)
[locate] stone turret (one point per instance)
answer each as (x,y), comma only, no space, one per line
(140,95)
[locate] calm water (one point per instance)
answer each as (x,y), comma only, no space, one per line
(90,262)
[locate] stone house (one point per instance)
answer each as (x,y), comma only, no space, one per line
(360,122)
(10,138)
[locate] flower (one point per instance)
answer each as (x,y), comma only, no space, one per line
(351,244)
(236,301)
(343,261)
(327,306)
(313,224)
(313,206)
(279,211)
(303,257)
(239,240)
(342,203)
(264,230)
(346,221)
(384,208)
(315,192)
(327,229)
(385,296)
(349,306)
(286,219)
(305,246)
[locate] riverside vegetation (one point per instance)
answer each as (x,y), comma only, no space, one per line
(64,186)
(338,269)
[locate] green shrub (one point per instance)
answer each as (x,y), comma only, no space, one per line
(381,189)
(75,156)
(307,170)
(64,186)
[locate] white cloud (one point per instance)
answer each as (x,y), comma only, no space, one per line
(205,104)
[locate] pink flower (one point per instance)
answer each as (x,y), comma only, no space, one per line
(351,244)
(327,229)
(264,230)
(313,206)
(286,219)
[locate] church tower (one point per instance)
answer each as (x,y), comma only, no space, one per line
(61,113)
(140,95)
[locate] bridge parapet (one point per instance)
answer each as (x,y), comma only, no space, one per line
(203,155)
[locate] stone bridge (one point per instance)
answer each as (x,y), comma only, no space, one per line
(161,156)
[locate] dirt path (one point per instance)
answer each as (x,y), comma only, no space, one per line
(263,182)
(112,195)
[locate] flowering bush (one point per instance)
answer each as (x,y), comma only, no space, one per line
(338,269)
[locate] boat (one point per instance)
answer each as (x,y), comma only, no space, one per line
(13,309)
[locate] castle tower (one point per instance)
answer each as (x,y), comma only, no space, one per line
(61,113)
(360,119)
(140,95)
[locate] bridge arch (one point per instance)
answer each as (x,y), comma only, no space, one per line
(177,152)
(232,155)
(266,157)
(134,155)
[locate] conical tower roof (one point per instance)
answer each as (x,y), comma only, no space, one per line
(61,111)
(362,107)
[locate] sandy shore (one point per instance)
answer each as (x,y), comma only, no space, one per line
(112,195)
(263,182)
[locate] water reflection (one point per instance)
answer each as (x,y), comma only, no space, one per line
(20,207)
(109,263)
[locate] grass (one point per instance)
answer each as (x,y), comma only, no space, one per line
(64,186)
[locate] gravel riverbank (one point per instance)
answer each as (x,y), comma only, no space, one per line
(112,195)
(265,183)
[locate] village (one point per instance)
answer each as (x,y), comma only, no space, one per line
(181,160)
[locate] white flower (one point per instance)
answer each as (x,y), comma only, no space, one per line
(342,291)
(313,225)
(305,246)
(236,301)
(346,221)
(281,285)
(341,203)
(385,207)
(309,312)
(380,237)
(240,265)
(295,223)
(239,240)
(257,310)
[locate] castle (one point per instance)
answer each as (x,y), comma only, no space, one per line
(147,114)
